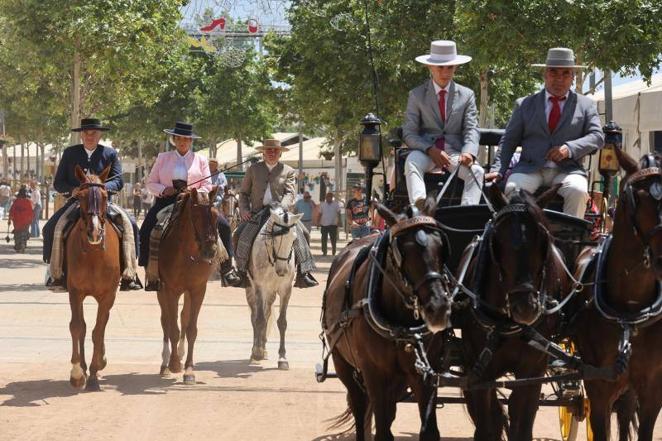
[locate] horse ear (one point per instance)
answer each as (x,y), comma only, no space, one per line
(389,217)
(496,196)
(626,162)
(104,174)
(80,174)
(295,218)
(430,206)
(547,196)
(212,194)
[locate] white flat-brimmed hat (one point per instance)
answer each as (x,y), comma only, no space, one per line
(560,57)
(271,144)
(443,53)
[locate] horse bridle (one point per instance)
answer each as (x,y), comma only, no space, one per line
(94,204)
(199,237)
(279,230)
(411,300)
(655,190)
(509,211)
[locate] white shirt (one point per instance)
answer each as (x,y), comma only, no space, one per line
(180,171)
(35,196)
(266,200)
(438,88)
(548,110)
(89,152)
(329,213)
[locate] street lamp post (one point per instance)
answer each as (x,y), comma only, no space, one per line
(370,149)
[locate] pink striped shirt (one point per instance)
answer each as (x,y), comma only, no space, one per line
(162,172)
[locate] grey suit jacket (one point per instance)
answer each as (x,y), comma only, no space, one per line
(281,181)
(579,129)
(423,124)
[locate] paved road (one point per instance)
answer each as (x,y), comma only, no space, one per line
(233,399)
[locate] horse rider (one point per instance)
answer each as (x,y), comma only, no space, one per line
(93,158)
(267,182)
(556,129)
(171,174)
(440,127)
(218,179)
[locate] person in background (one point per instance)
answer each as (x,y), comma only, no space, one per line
(357,214)
(146,198)
(35,198)
(329,220)
(137,201)
(20,214)
(5,197)
(306,206)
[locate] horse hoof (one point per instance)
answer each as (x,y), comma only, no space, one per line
(283,365)
(92,385)
(78,383)
(165,372)
(189,380)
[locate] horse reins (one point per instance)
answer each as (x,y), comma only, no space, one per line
(281,231)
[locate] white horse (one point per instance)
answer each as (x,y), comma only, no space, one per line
(270,273)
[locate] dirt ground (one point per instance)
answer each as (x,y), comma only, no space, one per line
(232,400)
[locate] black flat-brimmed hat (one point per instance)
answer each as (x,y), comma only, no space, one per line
(90,124)
(182,129)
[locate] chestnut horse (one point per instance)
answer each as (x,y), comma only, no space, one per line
(93,269)
(373,359)
(186,258)
(514,272)
(616,321)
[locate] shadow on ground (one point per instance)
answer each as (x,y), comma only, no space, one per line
(232,368)
(407,437)
(35,392)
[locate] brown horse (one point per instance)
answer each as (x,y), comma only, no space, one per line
(514,272)
(371,355)
(616,321)
(186,257)
(93,269)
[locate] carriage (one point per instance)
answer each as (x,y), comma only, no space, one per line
(463,224)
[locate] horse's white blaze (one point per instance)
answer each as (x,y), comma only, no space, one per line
(165,354)
(96,235)
(77,371)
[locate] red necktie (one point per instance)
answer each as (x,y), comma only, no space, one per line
(440,142)
(555,114)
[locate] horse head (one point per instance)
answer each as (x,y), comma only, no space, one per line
(281,234)
(419,250)
(520,248)
(640,205)
(204,218)
(93,199)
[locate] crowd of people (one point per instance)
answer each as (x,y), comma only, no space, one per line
(22,208)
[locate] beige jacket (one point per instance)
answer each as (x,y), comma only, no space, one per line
(281,181)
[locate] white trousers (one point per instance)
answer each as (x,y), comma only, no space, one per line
(574,188)
(418,163)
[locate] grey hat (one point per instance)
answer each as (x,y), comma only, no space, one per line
(560,57)
(443,53)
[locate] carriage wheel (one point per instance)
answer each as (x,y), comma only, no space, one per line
(587,413)
(571,416)
(569,424)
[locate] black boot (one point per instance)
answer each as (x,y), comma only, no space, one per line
(152,285)
(230,276)
(305,280)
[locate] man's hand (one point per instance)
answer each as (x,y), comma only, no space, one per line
(493,176)
(439,157)
(169,191)
(466,159)
(245,215)
(558,154)
(74,192)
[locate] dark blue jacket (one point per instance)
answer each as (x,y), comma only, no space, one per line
(65,177)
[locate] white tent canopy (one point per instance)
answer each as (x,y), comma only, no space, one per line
(637,108)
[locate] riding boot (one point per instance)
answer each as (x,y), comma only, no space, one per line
(53,285)
(304,280)
(131,285)
(230,276)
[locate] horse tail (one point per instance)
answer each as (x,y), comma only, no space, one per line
(626,415)
(346,421)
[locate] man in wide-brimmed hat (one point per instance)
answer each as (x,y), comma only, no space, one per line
(441,127)
(556,128)
(93,158)
(266,182)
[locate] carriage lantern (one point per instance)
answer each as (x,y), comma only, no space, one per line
(608,163)
(370,148)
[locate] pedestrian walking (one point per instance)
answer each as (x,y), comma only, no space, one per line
(35,197)
(329,220)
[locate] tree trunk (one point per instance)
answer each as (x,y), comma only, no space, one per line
(139,165)
(483,110)
(42,160)
(239,154)
(75,98)
(22,175)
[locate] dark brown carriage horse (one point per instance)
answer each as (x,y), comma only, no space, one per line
(186,258)
(93,269)
(617,319)
(514,272)
(375,368)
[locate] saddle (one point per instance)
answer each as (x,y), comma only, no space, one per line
(164,218)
